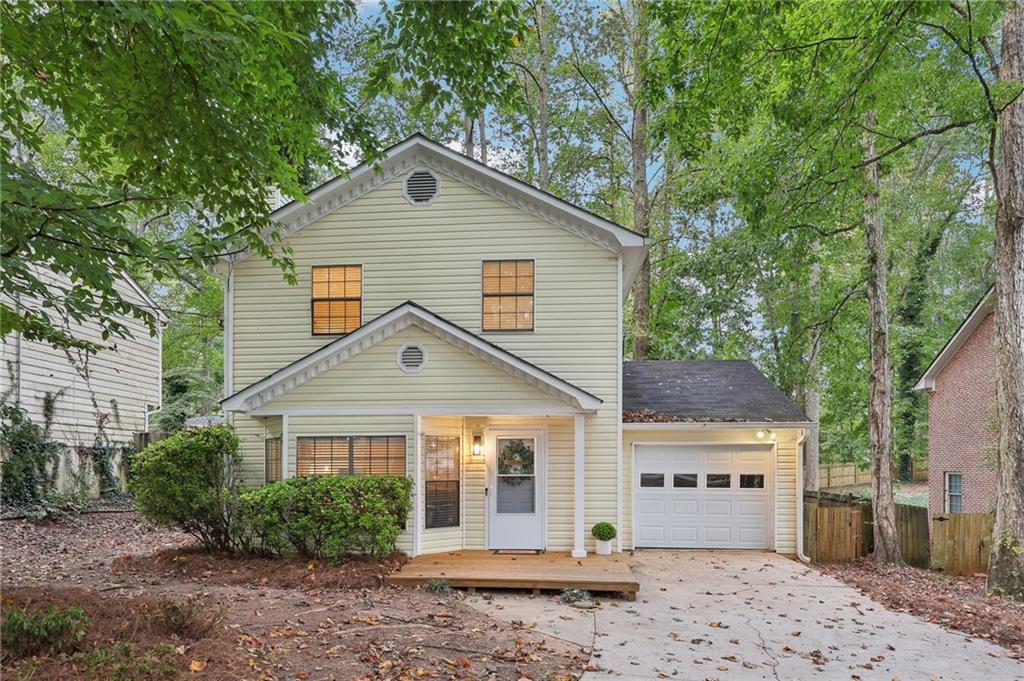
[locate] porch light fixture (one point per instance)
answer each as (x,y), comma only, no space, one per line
(760,435)
(478,446)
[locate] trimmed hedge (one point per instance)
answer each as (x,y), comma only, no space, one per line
(330,516)
(188,480)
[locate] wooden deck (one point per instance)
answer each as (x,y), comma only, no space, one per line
(552,570)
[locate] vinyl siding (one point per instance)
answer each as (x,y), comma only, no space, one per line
(433,256)
(785,472)
(122,380)
(451,376)
(252,432)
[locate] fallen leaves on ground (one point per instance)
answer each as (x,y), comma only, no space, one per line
(959,603)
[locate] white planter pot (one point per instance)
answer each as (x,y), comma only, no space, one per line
(604,548)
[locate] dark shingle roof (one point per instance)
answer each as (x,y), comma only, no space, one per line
(703,391)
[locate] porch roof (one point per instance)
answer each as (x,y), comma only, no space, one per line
(406,315)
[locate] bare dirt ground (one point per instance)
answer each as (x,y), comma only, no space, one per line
(954,602)
(281,619)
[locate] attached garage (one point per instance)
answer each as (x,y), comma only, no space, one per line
(704,496)
(710,457)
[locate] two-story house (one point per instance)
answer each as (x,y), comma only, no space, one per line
(962,427)
(456,325)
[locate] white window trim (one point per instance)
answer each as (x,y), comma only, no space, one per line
(946,492)
(405,186)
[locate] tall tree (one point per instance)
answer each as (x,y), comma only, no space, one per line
(1006,566)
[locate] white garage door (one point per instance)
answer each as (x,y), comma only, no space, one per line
(707,496)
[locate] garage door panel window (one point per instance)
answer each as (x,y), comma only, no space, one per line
(684,480)
(751,481)
(652,480)
(718,481)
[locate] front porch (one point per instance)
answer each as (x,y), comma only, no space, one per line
(552,570)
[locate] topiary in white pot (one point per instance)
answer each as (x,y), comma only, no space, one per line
(604,533)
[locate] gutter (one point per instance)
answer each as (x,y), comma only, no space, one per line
(710,425)
(800,499)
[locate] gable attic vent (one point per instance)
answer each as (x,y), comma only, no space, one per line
(422,187)
(412,358)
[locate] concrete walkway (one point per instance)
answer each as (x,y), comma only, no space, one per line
(751,615)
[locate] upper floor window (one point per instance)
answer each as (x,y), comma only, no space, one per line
(508,295)
(337,299)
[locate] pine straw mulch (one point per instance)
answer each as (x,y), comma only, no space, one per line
(145,637)
(191,564)
(959,603)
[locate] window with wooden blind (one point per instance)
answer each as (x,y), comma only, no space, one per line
(272,459)
(508,295)
(441,480)
(356,455)
(337,306)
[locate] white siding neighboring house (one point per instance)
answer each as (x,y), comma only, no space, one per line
(116,386)
(455,325)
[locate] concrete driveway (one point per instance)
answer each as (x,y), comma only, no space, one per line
(752,615)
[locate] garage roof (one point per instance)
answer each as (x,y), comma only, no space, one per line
(703,391)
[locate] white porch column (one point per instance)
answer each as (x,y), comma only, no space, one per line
(285,468)
(578,550)
(417,484)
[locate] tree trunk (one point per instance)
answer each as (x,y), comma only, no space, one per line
(483,139)
(1006,564)
(543,88)
(887,548)
(467,139)
(813,399)
(638,142)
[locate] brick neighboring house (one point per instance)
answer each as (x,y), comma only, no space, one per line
(961,385)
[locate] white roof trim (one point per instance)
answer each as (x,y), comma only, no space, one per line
(160,314)
(418,152)
(953,345)
(719,425)
(388,324)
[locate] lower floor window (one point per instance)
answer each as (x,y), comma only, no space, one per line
(954,493)
(350,455)
(441,481)
(272,459)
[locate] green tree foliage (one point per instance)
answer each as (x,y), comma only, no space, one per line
(167,107)
(189,481)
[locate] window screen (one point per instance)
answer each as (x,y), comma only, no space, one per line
(337,299)
(954,493)
(272,459)
(508,295)
(358,455)
(441,480)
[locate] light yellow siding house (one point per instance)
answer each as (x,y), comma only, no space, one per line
(448,323)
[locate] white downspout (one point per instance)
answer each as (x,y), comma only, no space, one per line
(800,499)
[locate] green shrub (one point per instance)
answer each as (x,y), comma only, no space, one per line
(29,632)
(125,662)
(188,480)
(603,531)
(330,516)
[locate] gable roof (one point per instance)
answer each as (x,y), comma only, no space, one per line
(419,151)
(731,391)
(953,345)
(387,325)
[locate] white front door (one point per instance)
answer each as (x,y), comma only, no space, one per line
(703,496)
(515,489)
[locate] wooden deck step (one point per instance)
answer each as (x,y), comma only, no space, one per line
(548,571)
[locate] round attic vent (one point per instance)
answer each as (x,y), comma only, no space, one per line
(422,187)
(412,358)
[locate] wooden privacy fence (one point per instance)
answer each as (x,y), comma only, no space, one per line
(961,542)
(836,532)
(846,474)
